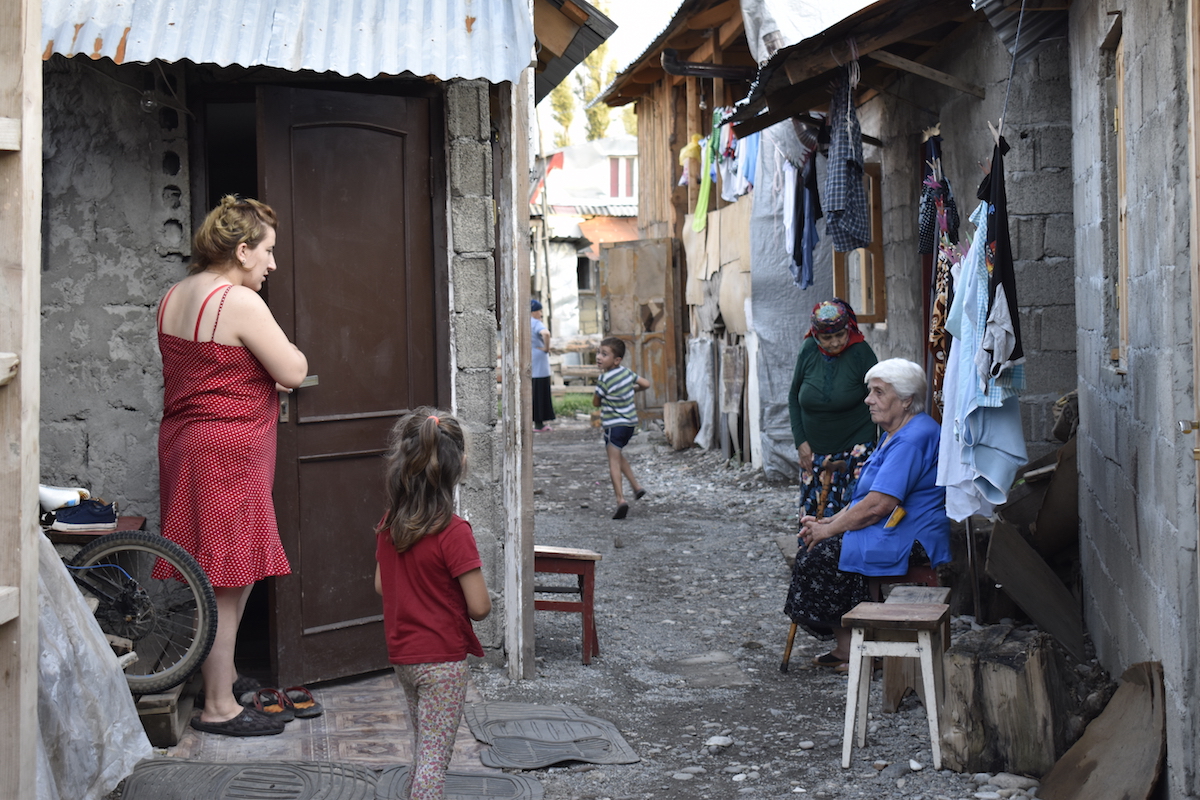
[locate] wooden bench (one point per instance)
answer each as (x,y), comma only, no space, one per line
(874,630)
(570,561)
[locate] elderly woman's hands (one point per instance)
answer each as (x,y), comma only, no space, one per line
(874,507)
(813,530)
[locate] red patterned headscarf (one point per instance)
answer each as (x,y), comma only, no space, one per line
(832,316)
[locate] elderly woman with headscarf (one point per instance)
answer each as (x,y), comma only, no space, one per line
(897,513)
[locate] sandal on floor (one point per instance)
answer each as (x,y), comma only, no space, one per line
(242,686)
(274,704)
(828,660)
(303,702)
(247,723)
(622,511)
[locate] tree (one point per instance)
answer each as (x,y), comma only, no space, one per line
(629,119)
(592,77)
(562,107)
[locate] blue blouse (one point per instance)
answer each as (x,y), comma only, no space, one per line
(904,466)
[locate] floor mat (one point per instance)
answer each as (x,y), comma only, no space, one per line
(530,736)
(172,779)
(464,786)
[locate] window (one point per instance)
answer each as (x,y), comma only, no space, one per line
(858,275)
(622,176)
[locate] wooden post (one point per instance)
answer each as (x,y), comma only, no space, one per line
(20,320)
(517,437)
(693,126)
(1193,87)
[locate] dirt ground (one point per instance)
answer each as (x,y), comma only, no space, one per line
(689,604)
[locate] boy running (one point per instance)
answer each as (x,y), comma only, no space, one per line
(618,416)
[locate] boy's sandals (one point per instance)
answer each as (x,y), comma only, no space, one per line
(639,494)
(248,723)
(622,511)
(303,702)
(271,703)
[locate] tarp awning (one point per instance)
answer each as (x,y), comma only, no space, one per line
(490,39)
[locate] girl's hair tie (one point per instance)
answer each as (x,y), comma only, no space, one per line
(436,421)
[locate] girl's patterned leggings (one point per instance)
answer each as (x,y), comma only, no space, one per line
(435,694)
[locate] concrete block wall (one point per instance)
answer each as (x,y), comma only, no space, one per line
(473,332)
(1136,474)
(117,222)
(1038,183)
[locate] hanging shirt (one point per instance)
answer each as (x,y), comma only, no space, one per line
(812,213)
(1001,346)
(846,216)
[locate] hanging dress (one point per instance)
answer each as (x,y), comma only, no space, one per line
(216,455)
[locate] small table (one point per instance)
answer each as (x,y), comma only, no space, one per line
(87,537)
(571,561)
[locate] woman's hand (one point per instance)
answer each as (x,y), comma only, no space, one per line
(813,530)
(806,458)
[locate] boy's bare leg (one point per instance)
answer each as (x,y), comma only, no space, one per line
(627,471)
(616,465)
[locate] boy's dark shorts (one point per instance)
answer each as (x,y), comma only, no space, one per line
(619,435)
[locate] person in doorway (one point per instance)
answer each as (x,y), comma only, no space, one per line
(224,360)
(431,579)
(618,416)
(896,516)
(543,402)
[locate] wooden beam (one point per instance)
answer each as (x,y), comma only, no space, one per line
(574,13)
(554,29)
(714,17)
(893,60)
(719,40)
(693,126)
(647,75)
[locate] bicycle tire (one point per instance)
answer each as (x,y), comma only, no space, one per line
(172,625)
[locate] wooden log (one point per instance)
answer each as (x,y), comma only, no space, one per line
(681,422)
(1007,704)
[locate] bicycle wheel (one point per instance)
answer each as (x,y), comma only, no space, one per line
(171,622)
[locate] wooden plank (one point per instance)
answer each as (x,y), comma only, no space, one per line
(10,603)
(897,616)
(913,595)
(10,133)
(575,553)
(692,88)
(516,434)
(1030,582)
(554,30)
(1121,753)
(20,326)
(892,60)
(719,40)
(714,17)
(575,13)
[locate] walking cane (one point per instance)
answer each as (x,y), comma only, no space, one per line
(827,473)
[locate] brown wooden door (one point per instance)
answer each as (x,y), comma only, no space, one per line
(637,291)
(362,293)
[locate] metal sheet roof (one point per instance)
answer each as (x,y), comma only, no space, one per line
(491,39)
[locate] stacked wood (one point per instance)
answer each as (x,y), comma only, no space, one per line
(681,421)
(1008,703)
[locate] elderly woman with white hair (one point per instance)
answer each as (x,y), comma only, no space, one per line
(897,513)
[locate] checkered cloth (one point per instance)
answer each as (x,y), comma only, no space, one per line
(845,200)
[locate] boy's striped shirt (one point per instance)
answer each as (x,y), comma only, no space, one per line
(615,388)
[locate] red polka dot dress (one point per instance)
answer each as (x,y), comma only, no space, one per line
(216,456)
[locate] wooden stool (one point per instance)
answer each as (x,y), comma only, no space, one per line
(917,622)
(571,561)
(901,675)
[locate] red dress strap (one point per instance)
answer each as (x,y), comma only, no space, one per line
(162,307)
(196,333)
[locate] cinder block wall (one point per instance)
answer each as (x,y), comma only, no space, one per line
(1136,474)
(473,333)
(1038,182)
(116,233)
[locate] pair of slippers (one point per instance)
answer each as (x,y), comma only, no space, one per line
(623,509)
(284,705)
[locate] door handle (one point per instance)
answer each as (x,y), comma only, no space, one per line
(283,406)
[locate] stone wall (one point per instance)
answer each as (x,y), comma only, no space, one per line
(1038,182)
(473,333)
(116,234)
(1136,473)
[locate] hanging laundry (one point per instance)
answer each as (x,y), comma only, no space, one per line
(935,187)
(1001,346)
(708,149)
(808,211)
(790,178)
(846,216)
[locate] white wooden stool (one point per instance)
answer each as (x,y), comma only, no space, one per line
(921,624)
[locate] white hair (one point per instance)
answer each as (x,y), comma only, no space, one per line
(906,377)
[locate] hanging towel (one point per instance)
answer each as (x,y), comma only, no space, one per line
(846,216)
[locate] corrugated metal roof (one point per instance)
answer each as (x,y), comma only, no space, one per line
(1038,27)
(491,39)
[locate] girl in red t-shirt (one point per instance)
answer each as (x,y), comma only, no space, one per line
(431,579)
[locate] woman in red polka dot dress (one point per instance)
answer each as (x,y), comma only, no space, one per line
(224,360)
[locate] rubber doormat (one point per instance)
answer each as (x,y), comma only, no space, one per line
(530,736)
(463,786)
(173,779)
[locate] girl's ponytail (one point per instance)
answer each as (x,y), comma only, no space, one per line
(424,463)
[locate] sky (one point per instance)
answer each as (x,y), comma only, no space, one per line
(640,21)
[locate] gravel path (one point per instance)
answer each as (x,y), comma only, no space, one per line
(689,610)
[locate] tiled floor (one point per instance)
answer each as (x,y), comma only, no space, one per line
(365,722)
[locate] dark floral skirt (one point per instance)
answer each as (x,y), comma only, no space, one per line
(820,593)
(841,486)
